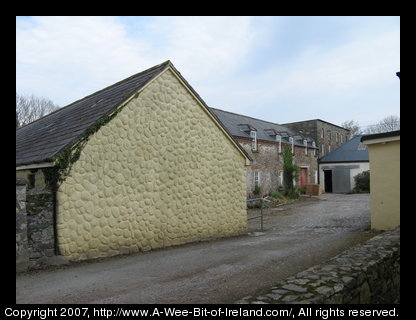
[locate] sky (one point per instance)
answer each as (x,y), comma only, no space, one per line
(280,69)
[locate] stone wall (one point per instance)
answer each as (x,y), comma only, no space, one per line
(368,273)
(22,254)
(269,162)
(40,233)
(35,235)
(313,129)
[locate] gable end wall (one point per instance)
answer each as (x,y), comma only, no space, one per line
(161,173)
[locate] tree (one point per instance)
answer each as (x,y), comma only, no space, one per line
(353,126)
(290,173)
(390,123)
(30,107)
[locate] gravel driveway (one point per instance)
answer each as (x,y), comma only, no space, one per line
(295,237)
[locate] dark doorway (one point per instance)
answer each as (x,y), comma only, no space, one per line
(328,180)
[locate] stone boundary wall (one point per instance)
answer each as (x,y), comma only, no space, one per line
(368,273)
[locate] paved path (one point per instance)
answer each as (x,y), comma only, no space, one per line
(219,271)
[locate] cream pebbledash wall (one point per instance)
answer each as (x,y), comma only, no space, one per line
(385,183)
(160,173)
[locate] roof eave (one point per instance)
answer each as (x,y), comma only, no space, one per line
(381,137)
(38,165)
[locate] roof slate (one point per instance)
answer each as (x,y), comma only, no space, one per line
(44,138)
(350,151)
(235,122)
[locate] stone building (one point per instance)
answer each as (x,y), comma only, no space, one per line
(138,165)
(264,142)
(327,136)
(338,168)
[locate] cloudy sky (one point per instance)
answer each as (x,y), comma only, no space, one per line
(280,69)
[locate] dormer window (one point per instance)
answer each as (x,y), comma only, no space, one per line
(285,136)
(245,128)
(270,132)
(253,135)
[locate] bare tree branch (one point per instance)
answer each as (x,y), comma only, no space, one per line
(29,108)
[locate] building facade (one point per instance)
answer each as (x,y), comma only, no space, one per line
(264,141)
(338,168)
(139,165)
(327,136)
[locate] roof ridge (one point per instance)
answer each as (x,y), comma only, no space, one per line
(317,119)
(238,114)
(166,63)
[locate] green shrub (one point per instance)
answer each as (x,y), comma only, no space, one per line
(257,190)
(276,195)
(291,193)
(362,182)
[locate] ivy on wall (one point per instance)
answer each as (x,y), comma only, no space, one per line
(68,156)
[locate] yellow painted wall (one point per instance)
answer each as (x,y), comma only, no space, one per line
(160,173)
(385,184)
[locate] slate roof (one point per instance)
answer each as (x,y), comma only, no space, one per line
(351,151)
(44,138)
(239,126)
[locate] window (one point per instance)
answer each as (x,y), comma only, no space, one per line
(245,127)
(257,178)
(336,137)
(328,133)
(305,143)
(322,150)
(314,150)
(270,132)
(253,135)
(322,133)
